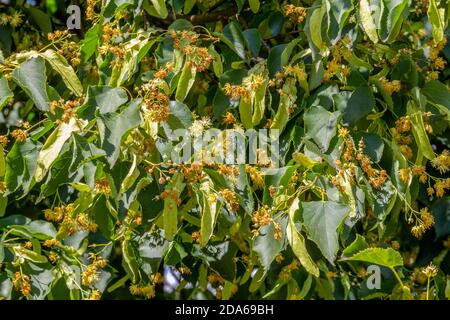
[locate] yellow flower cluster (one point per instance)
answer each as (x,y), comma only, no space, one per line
(442,162)
(285,273)
(236,91)
(376,177)
(198,57)
(256,176)
(424,222)
(335,65)
(71,51)
(102,186)
(229,119)
(215,279)
(230,199)
(3,141)
(147,291)
(19,135)
(22,283)
(440,187)
(184,270)
(430,271)
(91,274)
(156,100)
(14,19)
(391,86)
(402,137)
(296,14)
(157,278)
(68,222)
(57,35)
(95,295)
(260,218)
(49,243)
(90,10)
(181,39)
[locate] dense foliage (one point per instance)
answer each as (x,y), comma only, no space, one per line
(92,207)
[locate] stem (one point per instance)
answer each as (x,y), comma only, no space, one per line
(428,288)
(398,277)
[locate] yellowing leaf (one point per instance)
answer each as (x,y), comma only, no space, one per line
(60,65)
(367,21)
(52,147)
(185,82)
(170,211)
(297,242)
(437,17)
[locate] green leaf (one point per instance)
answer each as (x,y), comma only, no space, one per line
(103,217)
(391,19)
(320,125)
(297,241)
(5,92)
(21,252)
(188,5)
(31,77)
(41,278)
(38,229)
(53,146)
(114,126)
(151,248)
(160,8)
(315,26)
(21,165)
(105,98)
(287,101)
(367,21)
(274,62)
(217,61)
(321,220)
(437,18)
(2,162)
(185,82)
(3,205)
(41,19)
(129,261)
(253,41)
(359,105)
(384,257)
(2,248)
(89,44)
(170,211)
(438,93)
(381,200)
(60,65)
(209,217)
(441,212)
(220,257)
(373,144)
(266,246)
(357,245)
(254,5)
(233,34)
(418,129)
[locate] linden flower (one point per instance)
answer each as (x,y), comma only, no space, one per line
(442,162)
(198,126)
(430,271)
(4,19)
(21,282)
(147,291)
(404,175)
(229,119)
(20,135)
(16,19)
